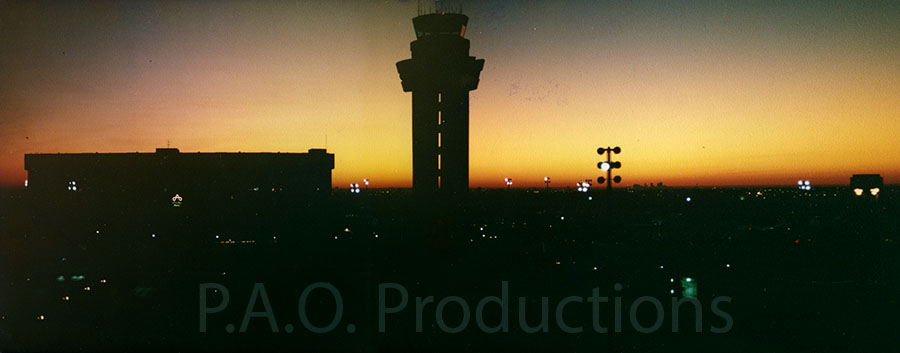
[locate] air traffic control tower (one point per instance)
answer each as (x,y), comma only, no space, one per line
(440,75)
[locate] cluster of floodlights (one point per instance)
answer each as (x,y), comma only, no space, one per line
(354,188)
(608,165)
(584,186)
(872,191)
(72,186)
(804,185)
(508,182)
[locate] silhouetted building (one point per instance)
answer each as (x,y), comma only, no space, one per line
(440,75)
(866,184)
(169,176)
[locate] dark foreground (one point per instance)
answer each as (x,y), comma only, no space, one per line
(749,270)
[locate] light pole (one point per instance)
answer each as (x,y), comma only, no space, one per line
(608,165)
(508,183)
(547,181)
(366,181)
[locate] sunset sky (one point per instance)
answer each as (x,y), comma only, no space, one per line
(695,93)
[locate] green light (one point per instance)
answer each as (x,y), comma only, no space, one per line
(60,278)
(77,278)
(689,287)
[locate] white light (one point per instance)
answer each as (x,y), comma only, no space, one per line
(806,182)
(590,198)
(671,280)
(858,191)
(689,279)
(562,218)
(728,265)
(874,191)
(688,199)
(545,179)
(661,267)
(153,235)
(604,166)
(595,268)
(26,183)
(217,236)
(376,235)
(799,182)
(671,291)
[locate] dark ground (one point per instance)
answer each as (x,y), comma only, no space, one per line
(806,271)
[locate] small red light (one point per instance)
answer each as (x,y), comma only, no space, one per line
(443,13)
(796,241)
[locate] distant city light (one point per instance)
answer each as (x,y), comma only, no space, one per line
(858,191)
(26,183)
(584,186)
(874,191)
(688,199)
(153,235)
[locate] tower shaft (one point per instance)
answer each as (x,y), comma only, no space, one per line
(440,75)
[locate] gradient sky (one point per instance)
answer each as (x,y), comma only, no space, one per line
(695,93)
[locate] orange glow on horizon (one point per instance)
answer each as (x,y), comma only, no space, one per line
(721,99)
